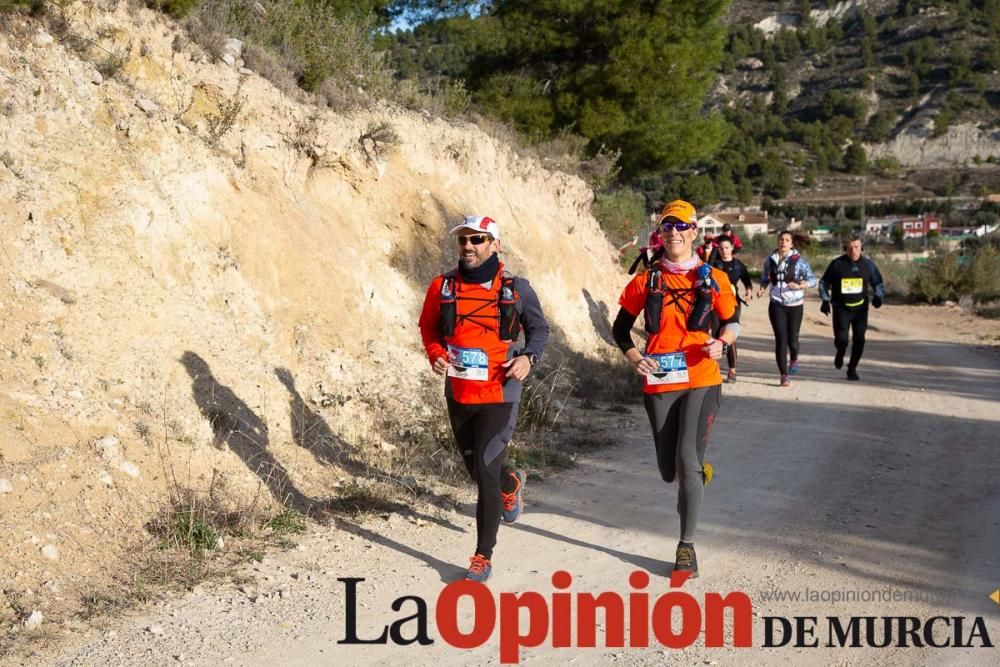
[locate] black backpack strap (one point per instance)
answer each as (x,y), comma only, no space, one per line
(509,308)
(448,304)
(654,301)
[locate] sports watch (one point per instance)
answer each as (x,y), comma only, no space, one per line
(532,359)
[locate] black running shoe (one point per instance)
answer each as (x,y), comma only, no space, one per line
(685,560)
(852,374)
(838,360)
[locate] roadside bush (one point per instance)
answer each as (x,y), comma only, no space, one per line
(940,279)
(984,274)
(443,97)
(950,276)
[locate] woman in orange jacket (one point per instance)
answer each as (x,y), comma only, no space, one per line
(681,383)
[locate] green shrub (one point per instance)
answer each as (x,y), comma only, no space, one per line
(176,8)
(984,274)
(329,50)
(950,276)
(942,278)
(288,521)
(33,7)
(622,215)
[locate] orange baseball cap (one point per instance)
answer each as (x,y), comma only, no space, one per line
(681,210)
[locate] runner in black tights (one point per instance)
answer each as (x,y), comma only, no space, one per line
(845,285)
(787,274)
(737,272)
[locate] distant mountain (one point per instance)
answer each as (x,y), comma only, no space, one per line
(877,88)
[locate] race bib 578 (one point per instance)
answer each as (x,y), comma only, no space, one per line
(468,363)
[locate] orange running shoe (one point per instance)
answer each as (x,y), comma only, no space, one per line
(513,502)
(480,569)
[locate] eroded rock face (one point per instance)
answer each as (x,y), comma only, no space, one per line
(189,253)
(916,146)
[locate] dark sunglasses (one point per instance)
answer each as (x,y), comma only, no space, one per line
(475,239)
(666,225)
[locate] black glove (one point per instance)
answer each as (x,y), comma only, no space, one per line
(877,301)
(825,308)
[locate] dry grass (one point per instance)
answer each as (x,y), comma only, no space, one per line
(308,43)
(223,120)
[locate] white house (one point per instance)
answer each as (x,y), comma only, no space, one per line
(710,225)
(820,234)
(879,228)
(746,224)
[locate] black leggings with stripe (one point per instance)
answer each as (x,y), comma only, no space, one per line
(482,431)
(682,423)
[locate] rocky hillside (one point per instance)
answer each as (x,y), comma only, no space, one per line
(917,81)
(208,285)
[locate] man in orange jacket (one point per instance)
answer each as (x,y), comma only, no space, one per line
(470,325)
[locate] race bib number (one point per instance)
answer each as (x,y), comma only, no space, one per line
(672,368)
(468,363)
(851,285)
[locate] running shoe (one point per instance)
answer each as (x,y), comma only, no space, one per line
(707,473)
(685,560)
(838,359)
(731,377)
(479,569)
(513,502)
(785,382)
(852,374)
(793,367)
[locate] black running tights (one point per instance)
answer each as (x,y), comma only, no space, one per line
(682,423)
(785,322)
(482,432)
(846,322)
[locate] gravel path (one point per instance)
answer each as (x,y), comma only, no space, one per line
(824,487)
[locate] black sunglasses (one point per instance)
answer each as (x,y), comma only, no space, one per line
(667,224)
(474,239)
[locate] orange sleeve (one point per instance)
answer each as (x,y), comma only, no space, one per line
(430,322)
(724,304)
(633,298)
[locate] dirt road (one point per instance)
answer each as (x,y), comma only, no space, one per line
(887,487)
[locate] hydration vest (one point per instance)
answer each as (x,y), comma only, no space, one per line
(507,318)
(703,292)
(788,275)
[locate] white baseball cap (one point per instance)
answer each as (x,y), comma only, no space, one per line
(479,223)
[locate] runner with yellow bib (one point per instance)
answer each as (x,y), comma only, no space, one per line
(845,285)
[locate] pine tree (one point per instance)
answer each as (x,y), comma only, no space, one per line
(630,75)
